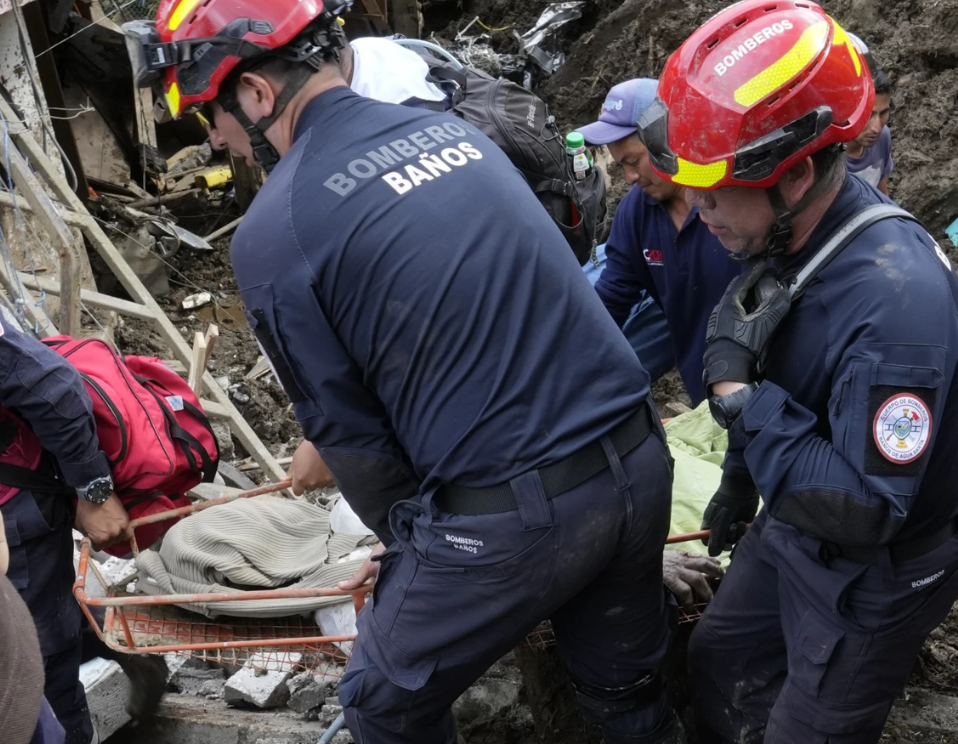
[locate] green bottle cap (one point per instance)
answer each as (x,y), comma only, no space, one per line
(575,140)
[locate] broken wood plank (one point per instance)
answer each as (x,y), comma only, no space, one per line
(197,363)
(163,199)
(15,201)
(212,334)
(260,369)
(223,230)
(106,302)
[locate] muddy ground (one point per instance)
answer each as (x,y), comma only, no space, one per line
(915,41)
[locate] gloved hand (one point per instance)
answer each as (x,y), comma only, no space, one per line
(728,514)
(742,325)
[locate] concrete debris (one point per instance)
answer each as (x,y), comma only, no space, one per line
(305,693)
(239,393)
(261,682)
(107,691)
(213,688)
(174,662)
(189,158)
(197,300)
(192,675)
(487,698)
(329,712)
(112,569)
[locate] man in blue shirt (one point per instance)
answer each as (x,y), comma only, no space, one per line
(658,243)
(467,389)
(646,328)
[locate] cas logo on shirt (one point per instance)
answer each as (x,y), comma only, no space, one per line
(902,428)
(653,257)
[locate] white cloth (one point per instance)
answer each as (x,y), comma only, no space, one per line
(385,71)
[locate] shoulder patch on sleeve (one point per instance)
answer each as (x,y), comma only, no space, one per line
(902,428)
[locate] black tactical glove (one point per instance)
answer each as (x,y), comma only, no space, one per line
(741,327)
(731,510)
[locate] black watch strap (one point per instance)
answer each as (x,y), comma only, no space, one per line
(726,408)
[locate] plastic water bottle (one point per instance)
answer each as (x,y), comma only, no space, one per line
(581,159)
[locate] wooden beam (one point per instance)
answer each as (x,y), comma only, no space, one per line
(197,364)
(15,201)
(50,219)
(170,333)
(87,296)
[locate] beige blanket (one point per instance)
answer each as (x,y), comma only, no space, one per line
(251,544)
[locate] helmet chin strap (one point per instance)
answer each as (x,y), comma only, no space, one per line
(780,238)
(264,153)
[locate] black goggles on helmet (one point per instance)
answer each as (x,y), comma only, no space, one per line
(755,161)
(149,56)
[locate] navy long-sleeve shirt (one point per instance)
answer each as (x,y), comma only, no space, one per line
(686,271)
(47,393)
(421,309)
(851,436)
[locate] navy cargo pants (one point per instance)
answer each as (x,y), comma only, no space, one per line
(39,533)
(457,592)
(800,648)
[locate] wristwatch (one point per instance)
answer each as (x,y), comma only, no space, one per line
(97,490)
(726,408)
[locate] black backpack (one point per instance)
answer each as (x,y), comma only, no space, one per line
(519,122)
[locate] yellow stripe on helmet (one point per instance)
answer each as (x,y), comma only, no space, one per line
(811,42)
(699,176)
(182,10)
(843,38)
(173,100)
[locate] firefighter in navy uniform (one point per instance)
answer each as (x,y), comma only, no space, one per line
(842,405)
(47,394)
(472,397)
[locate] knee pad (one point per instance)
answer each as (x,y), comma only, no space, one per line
(602,704)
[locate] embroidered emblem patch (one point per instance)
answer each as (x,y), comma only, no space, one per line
(902,428)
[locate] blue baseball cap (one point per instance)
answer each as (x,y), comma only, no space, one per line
(621,111)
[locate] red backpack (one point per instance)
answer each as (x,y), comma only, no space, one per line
(150,426)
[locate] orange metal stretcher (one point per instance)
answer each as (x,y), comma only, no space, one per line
(144,624)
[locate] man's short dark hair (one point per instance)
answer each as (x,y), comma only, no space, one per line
(829,163)
(882,83)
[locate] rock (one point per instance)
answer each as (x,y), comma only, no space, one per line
(485,699)
(224,437)
(107,691)
(305,693)
(213,688)
(329,713)
(261,682)
(192,675)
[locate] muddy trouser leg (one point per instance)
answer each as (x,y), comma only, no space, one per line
(613,636)
(457,592)
(38,528)
(853,633)
(737,659)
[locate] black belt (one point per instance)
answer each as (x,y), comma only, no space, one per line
(901,552)
(558,478)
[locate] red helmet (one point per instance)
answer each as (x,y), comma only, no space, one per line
(195,44)
(757,88)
